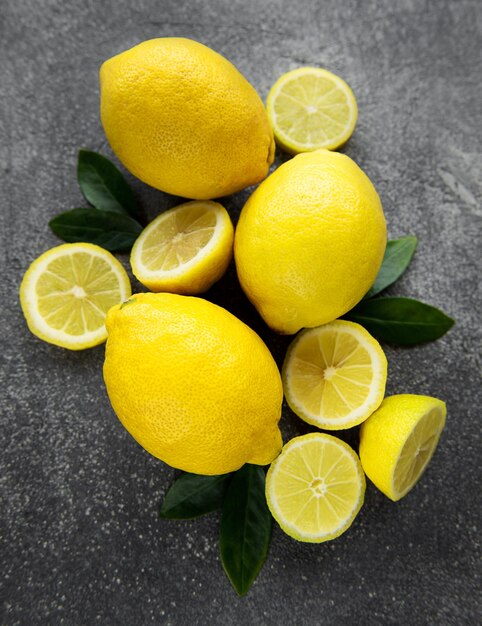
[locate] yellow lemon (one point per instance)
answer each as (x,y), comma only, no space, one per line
(310,241)
(398,441)
(185,249)
(315,488)
(192,384)
(311,108)
(334,376)
(67,291)
(183,119)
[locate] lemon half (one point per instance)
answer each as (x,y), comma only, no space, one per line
(334,375)
(315,488)
(311,108)
(66,293)
(398,441)
(184,250)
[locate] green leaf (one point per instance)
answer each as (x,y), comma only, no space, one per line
(245,527)
(103,184)
(398,254)
(112,231)
(192,495)
(401,321)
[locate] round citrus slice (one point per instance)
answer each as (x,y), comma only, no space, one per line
(315,488)
(184,250)
(334,375)
(66,293)
(398,441)
(311,108)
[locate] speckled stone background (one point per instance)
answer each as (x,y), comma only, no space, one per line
(81,542)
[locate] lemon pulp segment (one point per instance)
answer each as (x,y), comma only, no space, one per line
(184,250)
(67,291)
(311,108)
(334,375)
(315,487)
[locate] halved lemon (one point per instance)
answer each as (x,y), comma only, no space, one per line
(311,108)
(334,375)
(315,488)
(66,293)
(398,441)
(184,250)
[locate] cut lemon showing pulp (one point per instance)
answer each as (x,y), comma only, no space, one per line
(66,293)
(310,108)
(334,375)
(398,441)
(315,488)
(184,250)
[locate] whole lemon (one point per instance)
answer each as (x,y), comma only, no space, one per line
(310,241)
(183,119)
(192,384)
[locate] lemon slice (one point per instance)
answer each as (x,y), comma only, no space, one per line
(334,375)
(398,441)
(184,250)
(66,293)
(310,108)
(315,488)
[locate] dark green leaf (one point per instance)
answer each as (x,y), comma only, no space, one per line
(111,231)
(401,321)
(398,254)
(245,527)
(103,184)
(192,495)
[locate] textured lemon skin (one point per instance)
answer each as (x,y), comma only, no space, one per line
(192,384)
(384,433)
(310,241)
(183,119)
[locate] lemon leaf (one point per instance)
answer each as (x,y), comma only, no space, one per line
(112,231)
(245,527)
(103,185)
(192,495)
(401,321)
(398,254)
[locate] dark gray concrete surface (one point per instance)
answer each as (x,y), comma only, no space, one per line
(81,542)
